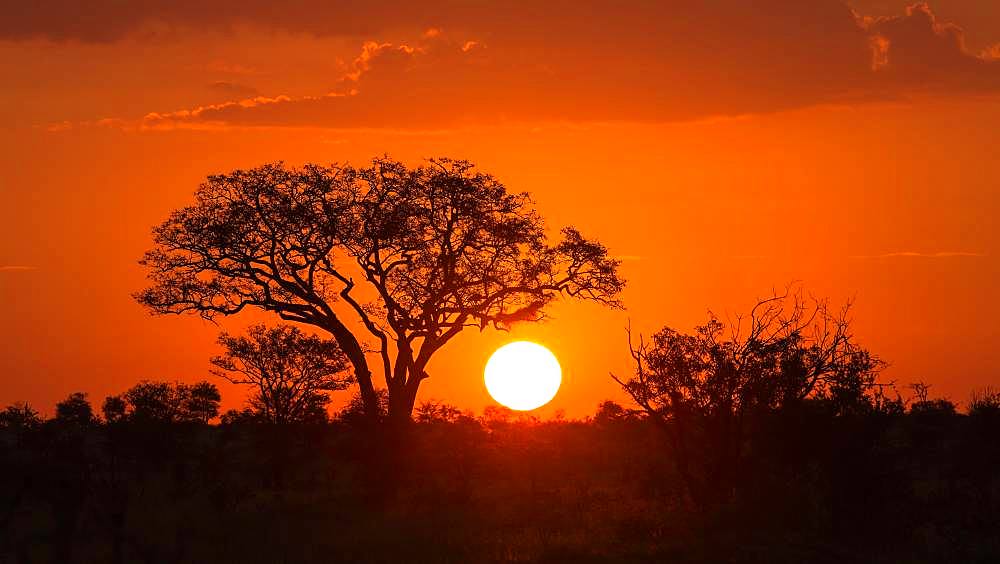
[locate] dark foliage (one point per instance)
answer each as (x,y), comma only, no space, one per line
(75,410)
(819,486)
(985,402)
(715,390)
(162,403)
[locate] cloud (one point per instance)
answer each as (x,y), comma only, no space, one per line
(16,268)
(914,254)
(923,53)
(484,63)
(294,112)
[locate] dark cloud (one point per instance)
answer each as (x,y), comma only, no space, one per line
(595,60)
(980,19)
(920,52)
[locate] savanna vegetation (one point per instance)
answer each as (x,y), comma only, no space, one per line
(148,480)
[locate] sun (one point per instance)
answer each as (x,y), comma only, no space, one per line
(523,375)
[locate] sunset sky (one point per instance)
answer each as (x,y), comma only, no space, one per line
(719,148)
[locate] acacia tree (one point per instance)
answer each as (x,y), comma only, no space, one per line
(292,372)
(403,257)
(704,388)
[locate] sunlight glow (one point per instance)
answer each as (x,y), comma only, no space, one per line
(523,375)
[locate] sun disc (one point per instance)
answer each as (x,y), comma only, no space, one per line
(523,375)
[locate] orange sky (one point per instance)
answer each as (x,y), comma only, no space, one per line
(720,150)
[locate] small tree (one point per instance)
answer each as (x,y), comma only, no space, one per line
(355,412)
(200,402)
(439,412)
(436,249)
(610,412)
(75,409)
(292,373)
(19,417)
(921,403)
(162,402)
(114,409)
(705,387)
(152,401)
(985,402)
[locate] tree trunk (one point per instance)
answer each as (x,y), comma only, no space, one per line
(402,397)
(373,408)
(356,355)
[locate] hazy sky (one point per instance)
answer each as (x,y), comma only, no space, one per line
(722,148)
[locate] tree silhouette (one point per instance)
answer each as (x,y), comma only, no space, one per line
(356,413)
(439,412)
(436,248)
(706,387)
(609,412)
(200,402)
(162,402)
(985,401)
(114,409)
(152,401)
(292,372)
(19,417)
(75,409)
(922,404)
